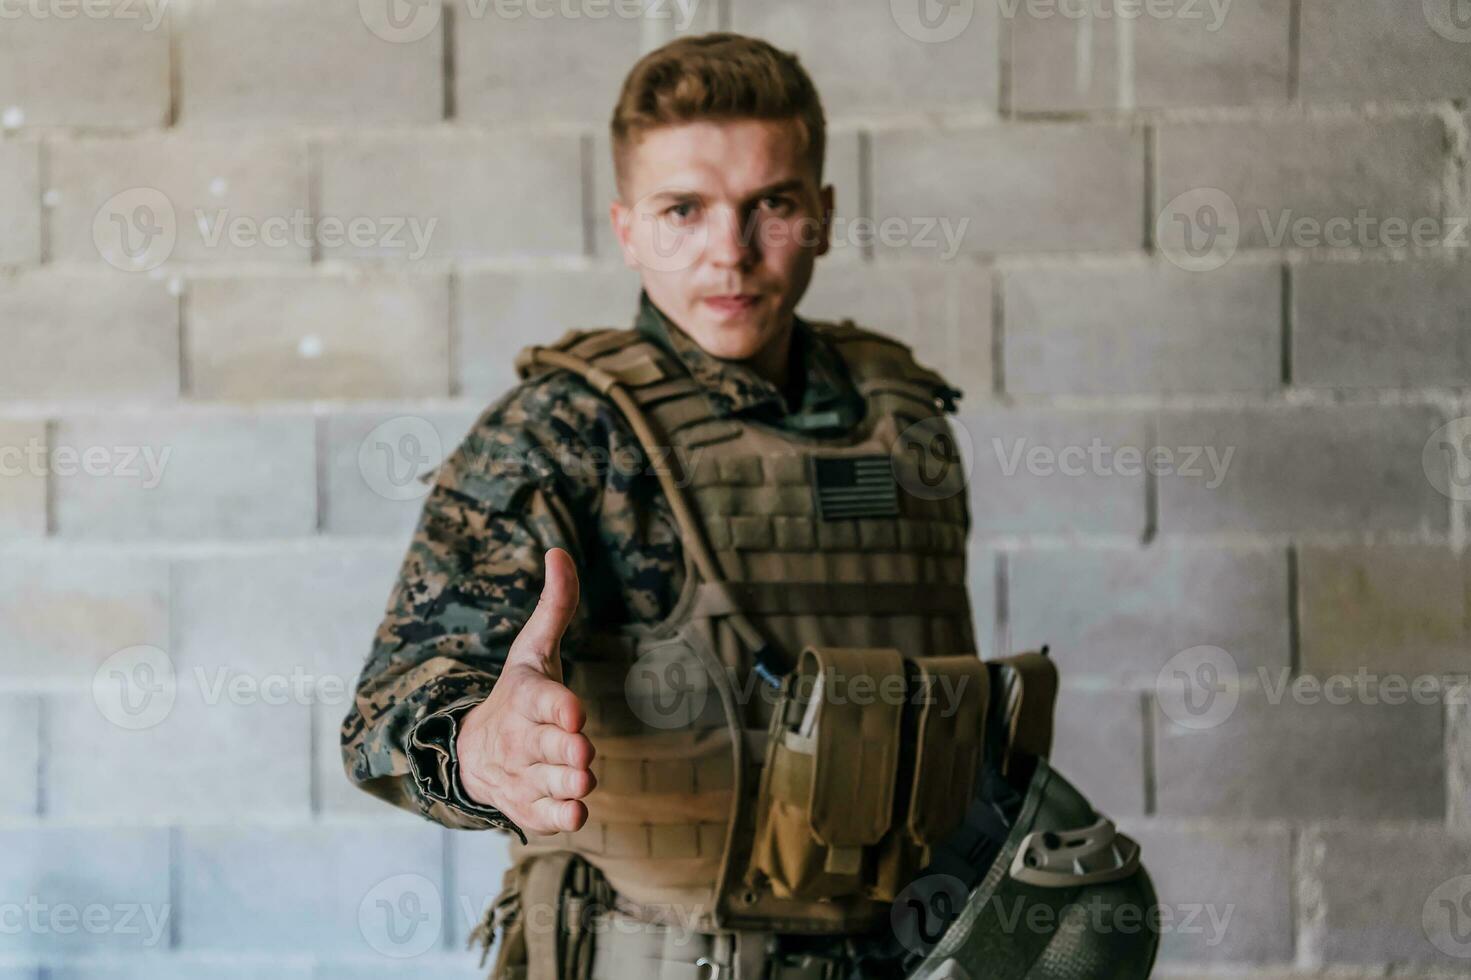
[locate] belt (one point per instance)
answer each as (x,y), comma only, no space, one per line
(626,947)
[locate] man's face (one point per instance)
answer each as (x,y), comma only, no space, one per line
(716,210)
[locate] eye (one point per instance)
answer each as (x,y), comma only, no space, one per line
(778,202)
(678,210)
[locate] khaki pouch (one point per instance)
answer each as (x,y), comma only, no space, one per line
(840,811)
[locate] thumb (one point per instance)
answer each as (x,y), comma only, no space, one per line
(540,639)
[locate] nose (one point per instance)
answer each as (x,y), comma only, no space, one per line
(729,244)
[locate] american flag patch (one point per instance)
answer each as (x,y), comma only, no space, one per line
(855,486)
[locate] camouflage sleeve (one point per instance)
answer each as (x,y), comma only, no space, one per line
(472,575)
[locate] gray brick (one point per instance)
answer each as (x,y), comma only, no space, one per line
(1394,324)
(880,66)
(942,312)
(1138,328)
(504,74)
(1306,758)
(319,337)
(1385,609)
(174,967)
(102,336)
(225,476)
(63,616)
(1125,612)
(980,570)
(1226,54)
(480,863)
(265,61)
(1380,894)
(1381,50)
(22,478)
(451,966)
(1099,746)
(60,871)
(1008,182)
(1032,471)
(1348,467)
(216,195)
(531,208)
(1278,172)
(372,487)
(1458,758)
(499,312)
(302,889)
(1227,889)
(128,54)
(325,605)
(246,758)
(20,733)
(20,201)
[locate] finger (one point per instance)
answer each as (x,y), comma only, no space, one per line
(551,703)
(559,815)
(541,637)
(548,743)
(562,782)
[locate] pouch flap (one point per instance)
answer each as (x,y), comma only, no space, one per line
(950,734)
(857,730)
(1027,684)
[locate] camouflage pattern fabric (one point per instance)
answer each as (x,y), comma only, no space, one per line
(552,463)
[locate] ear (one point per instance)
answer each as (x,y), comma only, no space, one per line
(621,217)
(826,198)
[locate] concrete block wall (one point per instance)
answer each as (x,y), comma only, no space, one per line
(263,261)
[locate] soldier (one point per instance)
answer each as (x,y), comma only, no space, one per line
(717,499)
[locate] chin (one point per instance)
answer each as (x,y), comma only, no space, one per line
(732,342)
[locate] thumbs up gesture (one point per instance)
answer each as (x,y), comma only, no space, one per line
(522,750)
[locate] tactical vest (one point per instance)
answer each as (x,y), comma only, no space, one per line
(851,545)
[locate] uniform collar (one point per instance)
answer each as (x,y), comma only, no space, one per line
(828,398)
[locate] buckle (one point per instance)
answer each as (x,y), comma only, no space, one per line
(1086,856)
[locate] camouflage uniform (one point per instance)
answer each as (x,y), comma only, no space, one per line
(551,464)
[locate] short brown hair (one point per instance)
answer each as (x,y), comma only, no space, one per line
(720,75)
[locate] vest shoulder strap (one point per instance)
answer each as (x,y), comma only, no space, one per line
(876,360)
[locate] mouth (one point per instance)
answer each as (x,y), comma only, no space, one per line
(731,303)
